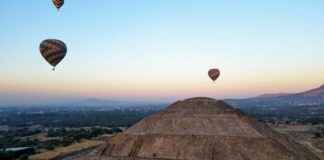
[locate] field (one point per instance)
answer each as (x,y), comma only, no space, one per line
(61,152)
(308,135)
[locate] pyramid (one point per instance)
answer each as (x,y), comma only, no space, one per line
(201,129)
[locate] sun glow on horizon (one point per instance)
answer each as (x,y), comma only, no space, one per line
(161,50)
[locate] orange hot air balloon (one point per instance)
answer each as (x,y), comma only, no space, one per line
(53,51)
(58,3)
(214,73)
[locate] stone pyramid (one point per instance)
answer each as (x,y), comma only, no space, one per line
(201,129)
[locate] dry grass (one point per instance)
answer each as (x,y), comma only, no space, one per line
(65,151)
(304,135)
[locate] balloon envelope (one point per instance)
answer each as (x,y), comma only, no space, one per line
(53,51)
(58,3)
(214,74)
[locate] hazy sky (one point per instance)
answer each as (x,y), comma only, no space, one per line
(160,49)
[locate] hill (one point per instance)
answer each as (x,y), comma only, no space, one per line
(306,98)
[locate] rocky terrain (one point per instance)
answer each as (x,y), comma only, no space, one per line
(200,129)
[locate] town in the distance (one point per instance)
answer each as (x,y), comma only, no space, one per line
(68,130)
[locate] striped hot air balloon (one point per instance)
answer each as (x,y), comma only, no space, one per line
(214,73)
(58,3)
(53,51)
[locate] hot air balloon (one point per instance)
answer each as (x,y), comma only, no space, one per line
(214,73)
(53,51)
(58,3)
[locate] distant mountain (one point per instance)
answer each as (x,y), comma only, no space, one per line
(317,92)
(272,95)
(310,97)
(103,102)
(107,104)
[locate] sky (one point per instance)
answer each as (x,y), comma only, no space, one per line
(160,50)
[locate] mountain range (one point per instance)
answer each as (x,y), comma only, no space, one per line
(307,98)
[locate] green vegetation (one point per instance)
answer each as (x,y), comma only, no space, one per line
(78,118)
(58,127)
(287,114)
